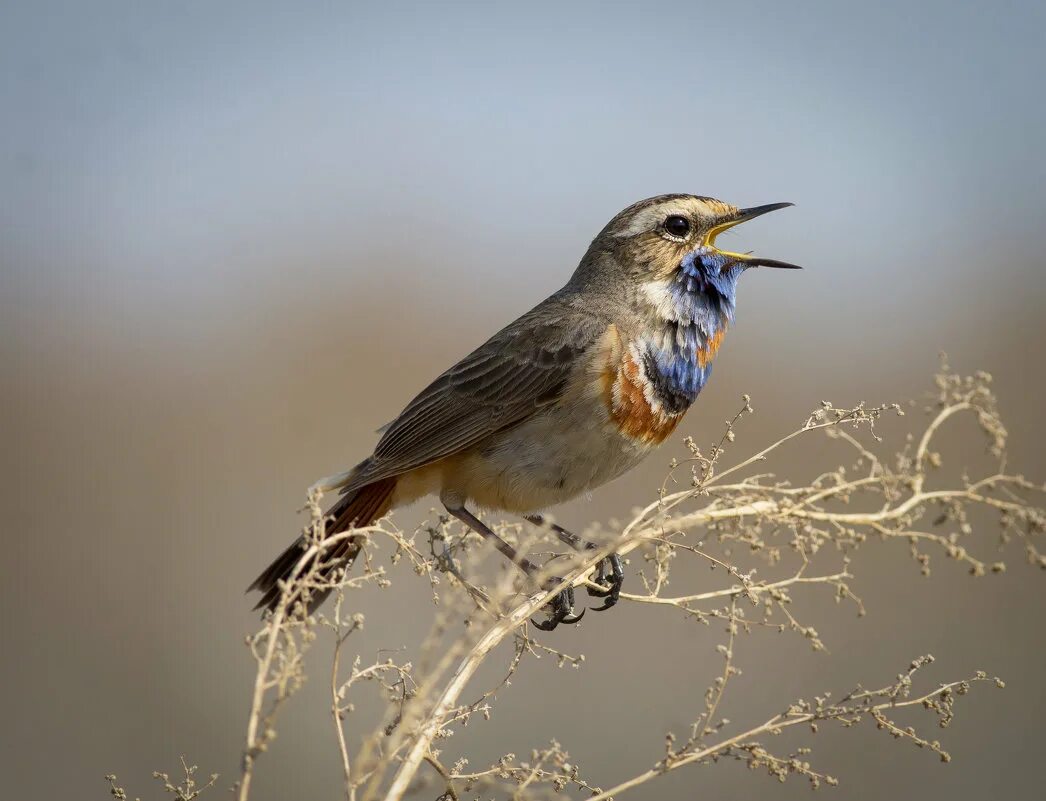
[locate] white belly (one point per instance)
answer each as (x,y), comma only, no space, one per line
(551,458)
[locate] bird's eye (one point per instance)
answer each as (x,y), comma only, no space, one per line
(677,226)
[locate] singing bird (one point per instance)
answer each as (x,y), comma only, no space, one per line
(568,397)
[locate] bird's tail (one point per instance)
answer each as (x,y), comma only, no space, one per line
(355,510)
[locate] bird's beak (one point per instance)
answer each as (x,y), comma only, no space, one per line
(738,217)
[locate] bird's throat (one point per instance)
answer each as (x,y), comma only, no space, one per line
(688,318)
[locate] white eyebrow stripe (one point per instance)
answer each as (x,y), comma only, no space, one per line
(648,219)
(690,207)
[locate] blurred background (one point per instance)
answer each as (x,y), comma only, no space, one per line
(238,237)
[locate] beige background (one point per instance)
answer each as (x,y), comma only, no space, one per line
(236,240)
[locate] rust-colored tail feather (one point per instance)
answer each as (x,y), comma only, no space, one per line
(355,510)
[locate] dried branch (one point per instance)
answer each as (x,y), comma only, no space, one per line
(801,535)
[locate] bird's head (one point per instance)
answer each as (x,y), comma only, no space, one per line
(655,237)
(665,247)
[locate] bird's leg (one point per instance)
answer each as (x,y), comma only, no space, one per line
(562,604)
(608,572)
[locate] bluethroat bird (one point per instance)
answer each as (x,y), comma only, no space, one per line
(568,397)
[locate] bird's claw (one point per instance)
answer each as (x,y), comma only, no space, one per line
(561,609)
(610,573)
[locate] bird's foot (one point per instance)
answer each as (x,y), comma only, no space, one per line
(560,608)
(609,573)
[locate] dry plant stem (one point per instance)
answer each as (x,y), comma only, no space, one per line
(343,748)
(448,698)
(631,538)
(188,789)
(771,727)
(756,513)
(720,689)
(272,633)
(734,591)
(336,710)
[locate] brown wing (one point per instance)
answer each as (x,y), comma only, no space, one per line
(518,371)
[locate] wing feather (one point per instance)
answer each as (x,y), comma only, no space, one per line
(518,371)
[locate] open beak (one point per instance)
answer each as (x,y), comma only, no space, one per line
(744,215)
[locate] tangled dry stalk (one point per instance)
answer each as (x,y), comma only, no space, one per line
(733,518)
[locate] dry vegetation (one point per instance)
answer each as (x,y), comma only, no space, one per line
(768,537)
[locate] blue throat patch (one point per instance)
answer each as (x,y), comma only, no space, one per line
(703,294)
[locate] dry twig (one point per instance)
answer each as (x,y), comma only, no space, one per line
(734,519)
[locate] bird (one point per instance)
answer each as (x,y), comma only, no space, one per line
(569,396)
